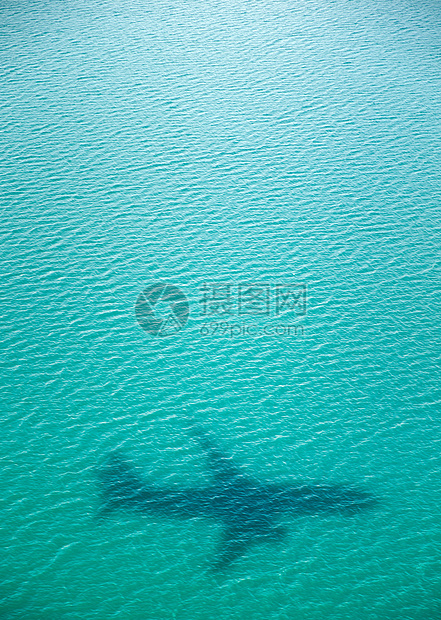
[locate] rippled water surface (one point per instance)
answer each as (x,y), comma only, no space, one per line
(273,143)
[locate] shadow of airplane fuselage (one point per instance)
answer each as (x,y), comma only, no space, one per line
(247,509)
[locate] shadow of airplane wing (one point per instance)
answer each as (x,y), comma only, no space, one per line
(221,466)
(235,543)
(238,539)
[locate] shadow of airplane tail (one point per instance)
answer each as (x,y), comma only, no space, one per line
(121,484)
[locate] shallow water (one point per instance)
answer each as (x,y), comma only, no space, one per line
(268,143)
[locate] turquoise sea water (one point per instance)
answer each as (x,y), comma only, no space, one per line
(199,142)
